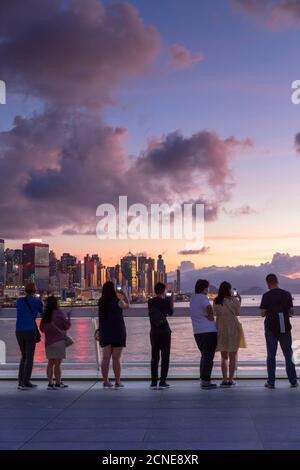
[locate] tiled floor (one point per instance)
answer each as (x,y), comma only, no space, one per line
(185,417)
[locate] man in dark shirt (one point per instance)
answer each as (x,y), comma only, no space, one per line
(277,308)
(159,308)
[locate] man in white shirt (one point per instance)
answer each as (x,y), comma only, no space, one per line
(205,331)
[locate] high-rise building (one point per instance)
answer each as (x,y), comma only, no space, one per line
(9,266)
(79,278)
(2,264)
(129,272)
(36,264)
(92,271)
(178,282)
(67,262)
(13,260)
(161,274)
(145,274)
(68,266)
(54,264)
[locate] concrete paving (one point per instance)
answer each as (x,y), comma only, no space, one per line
(85,416)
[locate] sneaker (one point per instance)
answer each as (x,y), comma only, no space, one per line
(21,387)
(295,385)
(270,386)
(51,387)
(153,385)
(163,385)
(119,385)
(107,384)
(29,385)
(61,385)
(224,384)
(208,386)
(231,383)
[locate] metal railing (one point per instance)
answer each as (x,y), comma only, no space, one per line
(88,365)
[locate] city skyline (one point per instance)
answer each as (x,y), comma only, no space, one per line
(67,275)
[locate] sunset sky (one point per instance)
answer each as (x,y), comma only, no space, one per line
(158,100)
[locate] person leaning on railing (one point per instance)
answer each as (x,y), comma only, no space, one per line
(277,308)
(231,336)
(205,331)
(54,325)
(112,331)
(27,333)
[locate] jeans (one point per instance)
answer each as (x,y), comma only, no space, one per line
(285,341)
(207,343)
(27,343)
(160,345)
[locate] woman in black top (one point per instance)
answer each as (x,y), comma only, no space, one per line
(112,331)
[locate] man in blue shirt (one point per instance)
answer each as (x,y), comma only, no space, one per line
(28,309)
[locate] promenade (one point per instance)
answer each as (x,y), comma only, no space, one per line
(185,417)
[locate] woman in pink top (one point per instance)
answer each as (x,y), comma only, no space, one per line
(54,325)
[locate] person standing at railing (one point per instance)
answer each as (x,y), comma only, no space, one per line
(227,306)
(27,333)
(205,331)
(277,308)
(55,324)
(112,331)
(159,308)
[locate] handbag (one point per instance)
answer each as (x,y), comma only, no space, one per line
(38,336)
(67,338)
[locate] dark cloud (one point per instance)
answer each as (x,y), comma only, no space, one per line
(58,165)
(202,251)
(240,211)
(74,55)
(182,58)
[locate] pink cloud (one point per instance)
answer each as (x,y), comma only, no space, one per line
(182,58)
(240,211)
(58,165)
(77,55)
(276,13)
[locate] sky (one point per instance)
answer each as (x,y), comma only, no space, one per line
(160,101)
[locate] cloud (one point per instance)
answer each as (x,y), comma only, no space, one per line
(240,211)
(243,277)
(183,163)
(182,58)
(58,165)
(202,251)
(276,13)
(78,54)
(186,266)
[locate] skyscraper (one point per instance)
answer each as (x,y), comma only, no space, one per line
(36,264)
(2,265)
(178,282)
(92,271)
(145,274)
(129,272)
(161,275)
